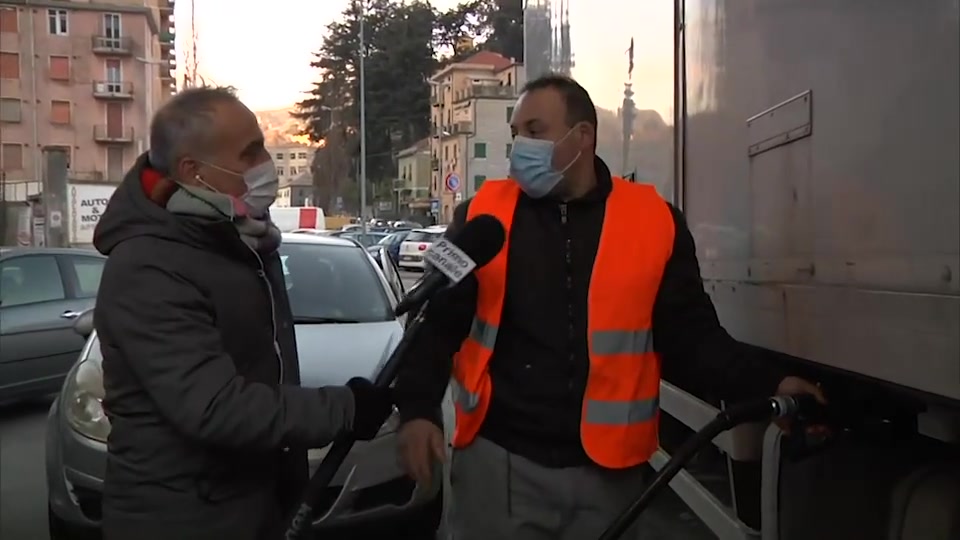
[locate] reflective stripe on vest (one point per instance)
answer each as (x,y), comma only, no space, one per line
(621,401)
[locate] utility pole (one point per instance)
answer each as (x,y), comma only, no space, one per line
(363,129)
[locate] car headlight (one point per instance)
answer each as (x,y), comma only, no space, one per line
(83,401)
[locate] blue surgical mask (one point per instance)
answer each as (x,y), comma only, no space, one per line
(531,165)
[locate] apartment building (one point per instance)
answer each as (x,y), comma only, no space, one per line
(414,175)
(296,191)
(471,104)
(84,77)
(291,159)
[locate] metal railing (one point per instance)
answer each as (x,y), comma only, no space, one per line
(112,134)
(486,91)
(112,45)
(113,89)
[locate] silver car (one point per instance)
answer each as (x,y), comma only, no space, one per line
(342,304)
(42,291)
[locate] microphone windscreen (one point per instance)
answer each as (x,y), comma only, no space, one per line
(481,238)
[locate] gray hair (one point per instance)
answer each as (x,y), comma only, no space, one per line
(183,125)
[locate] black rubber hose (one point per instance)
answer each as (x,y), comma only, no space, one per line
(726,419)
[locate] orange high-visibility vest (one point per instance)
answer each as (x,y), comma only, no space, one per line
(620,412)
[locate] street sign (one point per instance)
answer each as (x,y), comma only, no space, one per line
(434,205)
(452,182)
(458,197)
(56,219)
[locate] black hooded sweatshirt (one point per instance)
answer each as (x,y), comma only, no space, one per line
(209,424)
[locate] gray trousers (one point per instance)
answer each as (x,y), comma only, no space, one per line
(496,495)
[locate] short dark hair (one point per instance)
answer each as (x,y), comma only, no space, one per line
(580,107)
(182,125)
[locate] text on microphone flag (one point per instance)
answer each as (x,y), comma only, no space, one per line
(450,260)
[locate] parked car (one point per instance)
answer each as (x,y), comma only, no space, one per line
(342,306)
(415,244)
(404,225)
(365,240)
(42,291)
(392,244)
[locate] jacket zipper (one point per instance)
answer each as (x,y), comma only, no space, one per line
(262,274)
(568,259)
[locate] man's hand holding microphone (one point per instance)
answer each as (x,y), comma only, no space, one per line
(372,405)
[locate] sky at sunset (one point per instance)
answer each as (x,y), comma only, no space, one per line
(265,53)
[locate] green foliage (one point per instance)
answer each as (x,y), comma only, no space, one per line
(403,41)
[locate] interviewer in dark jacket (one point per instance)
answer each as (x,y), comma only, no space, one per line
(209,423)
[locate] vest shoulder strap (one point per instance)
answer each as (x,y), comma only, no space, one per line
(492,196)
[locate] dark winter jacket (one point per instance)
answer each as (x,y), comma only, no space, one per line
(540,362)
(209,424)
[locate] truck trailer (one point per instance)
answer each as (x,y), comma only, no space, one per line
(814,148)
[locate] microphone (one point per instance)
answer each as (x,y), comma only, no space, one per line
(453,259)
(472,247)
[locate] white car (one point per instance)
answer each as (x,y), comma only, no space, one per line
(415,244)
(342,304)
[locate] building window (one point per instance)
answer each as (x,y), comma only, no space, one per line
(11,156)
(111,28)
(293,171)
(279,156)
(509,150)
(293,155)
(9,65)
(10,111)
(60,112)
(115,165)
(302,155)
(60,68)
(280,171)
(509,114)
(57,22)
(480,150)
(478,181)
(8,21)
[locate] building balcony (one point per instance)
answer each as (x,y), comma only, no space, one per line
(461,128)
(113,90)
(113,46)
(486,91)
(167,39)
(86,176)
(105,134)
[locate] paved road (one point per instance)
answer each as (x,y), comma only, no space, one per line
(23,514)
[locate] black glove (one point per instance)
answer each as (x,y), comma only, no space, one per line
(372,406)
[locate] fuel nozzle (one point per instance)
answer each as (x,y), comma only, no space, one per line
(809,430)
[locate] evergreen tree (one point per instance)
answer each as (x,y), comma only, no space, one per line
(504,19)
(399,58)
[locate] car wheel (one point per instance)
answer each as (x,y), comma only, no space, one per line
(61,530)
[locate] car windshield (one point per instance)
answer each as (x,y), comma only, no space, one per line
(387,240)
(424,236)
(333,284)
(364,240)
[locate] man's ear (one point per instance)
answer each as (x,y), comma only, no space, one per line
(186,171)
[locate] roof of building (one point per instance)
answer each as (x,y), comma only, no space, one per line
(423,145)
(496,61)
(304,179)
(488,58)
